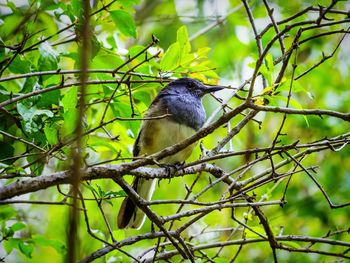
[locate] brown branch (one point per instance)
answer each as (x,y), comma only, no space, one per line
(21,187)
(275,26)
(131,240)
(315,112)
(67,85)
(77,152)
(170,254)
(324,57)
(257,40)
(279,78)
(93,173)
(232,133)
(140,202)
(77,71)
(22,141)
(130,70)
(211,208)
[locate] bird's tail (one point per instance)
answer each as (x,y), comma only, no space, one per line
(129,214)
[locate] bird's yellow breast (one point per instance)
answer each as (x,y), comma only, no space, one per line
(159,134)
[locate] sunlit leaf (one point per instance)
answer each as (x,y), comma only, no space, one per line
(171,58)
(49,98)
(49,58)
(6,212)
(26,248)
(2,50)
(124,22)
(20,65)
(269,62)
(29,84)
(256,229)
(57,245)
(184,43)
(266,73)
(33,117)
(202,52)
(70,98)
(10,244)
(17,226)
(51,134)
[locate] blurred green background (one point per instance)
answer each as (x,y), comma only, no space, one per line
(222,50)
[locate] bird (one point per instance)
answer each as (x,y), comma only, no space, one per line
(180,102)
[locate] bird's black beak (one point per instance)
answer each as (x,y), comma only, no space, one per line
(210,89)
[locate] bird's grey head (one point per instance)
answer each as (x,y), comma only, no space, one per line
(193,86)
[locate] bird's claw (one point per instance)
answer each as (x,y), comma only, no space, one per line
(171,169)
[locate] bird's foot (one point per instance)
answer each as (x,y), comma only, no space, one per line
(171,169)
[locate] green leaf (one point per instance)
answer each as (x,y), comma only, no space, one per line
(95,46)
(121,109)
(2,50)
(269,62)
(29,84)
(91,188)
(48,58)
(26,248)
(203,52)
(49,98)
(8,232)
(107,60)
(142,96)
(184,43)
(70,99)
(257,229)
(107,91)
(51,133)
(10,244)
(14,169)
(134,50)
(124,22)
(12,6)
(4,95)
(7,150)
(77,7)
(221,260)
(7,212)
(118,234)
(111,41)
(57,245)
(252,64)
(100,191)
(266,73)
(32,116)
(10,22)
(70,118)
(20,65)
(100,142)
(268,68)
(129,3)
(17,226)
(186,61)
(38,164)
(171,58)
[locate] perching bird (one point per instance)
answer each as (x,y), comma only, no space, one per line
(181,100)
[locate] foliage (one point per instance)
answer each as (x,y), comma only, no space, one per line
(279,132)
